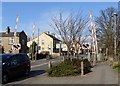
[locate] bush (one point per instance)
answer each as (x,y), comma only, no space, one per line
(116,66)
(63,69)
(68,67)
(45,52)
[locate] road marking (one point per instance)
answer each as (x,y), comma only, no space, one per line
(38,65)
(37,60)
(43,64)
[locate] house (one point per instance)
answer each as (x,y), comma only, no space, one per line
(7,40)
(46,42)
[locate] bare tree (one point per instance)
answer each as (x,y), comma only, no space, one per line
(70,29)
(105,30)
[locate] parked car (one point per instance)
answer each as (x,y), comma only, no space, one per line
(14,65)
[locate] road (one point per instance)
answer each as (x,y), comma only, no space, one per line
(38,67)
(102,73)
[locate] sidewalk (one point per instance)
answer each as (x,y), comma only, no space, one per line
(102,74)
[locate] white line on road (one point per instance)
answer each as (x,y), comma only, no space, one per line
(42,64)
(38,60)
(38,65)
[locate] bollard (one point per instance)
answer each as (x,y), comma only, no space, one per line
(49,64)
(59,59)
(82,68)
(63,58)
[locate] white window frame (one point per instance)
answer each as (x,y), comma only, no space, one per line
(11,40)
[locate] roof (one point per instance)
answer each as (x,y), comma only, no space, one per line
(54,38)
(11,34)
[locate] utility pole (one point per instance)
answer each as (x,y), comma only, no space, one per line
(38,41)
(32,40)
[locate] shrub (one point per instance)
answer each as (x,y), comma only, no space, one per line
(116,66)
(45,52)
(67,68)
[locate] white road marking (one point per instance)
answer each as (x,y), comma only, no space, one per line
(42,64)
(39,60)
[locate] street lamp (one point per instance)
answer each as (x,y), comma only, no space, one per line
(115,27)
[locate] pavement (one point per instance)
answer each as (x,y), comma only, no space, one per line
(102,73)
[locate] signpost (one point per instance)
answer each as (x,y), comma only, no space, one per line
(16,46)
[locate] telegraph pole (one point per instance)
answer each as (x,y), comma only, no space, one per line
(38,41)
(32,40)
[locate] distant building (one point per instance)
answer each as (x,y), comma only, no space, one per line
(46,42)
(7,40)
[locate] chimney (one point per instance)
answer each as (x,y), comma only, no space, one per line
(7,30)
(53,34)
(47,32)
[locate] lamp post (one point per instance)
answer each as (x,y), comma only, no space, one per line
(115,36)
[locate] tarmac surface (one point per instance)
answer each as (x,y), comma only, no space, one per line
(102,73)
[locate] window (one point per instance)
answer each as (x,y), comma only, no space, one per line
(39,47)
(43,48)
(42,42)
(20,58)
(11,40)
(13,61)
(0,40)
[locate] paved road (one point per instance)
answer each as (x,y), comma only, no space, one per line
(37,68)
(102,74)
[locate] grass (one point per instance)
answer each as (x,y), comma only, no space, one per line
(116,66)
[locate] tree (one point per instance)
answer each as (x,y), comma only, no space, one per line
(70,29)
(105,29)
(33,49)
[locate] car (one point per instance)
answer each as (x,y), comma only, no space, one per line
(14,65)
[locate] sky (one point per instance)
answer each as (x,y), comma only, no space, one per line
(59,0)
(39,13)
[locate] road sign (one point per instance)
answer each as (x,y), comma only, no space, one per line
(16,46)
(86,45)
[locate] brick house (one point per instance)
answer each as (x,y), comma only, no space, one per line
(7,40)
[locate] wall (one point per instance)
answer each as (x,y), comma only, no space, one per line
(6,45)
(23,42)
(48,42)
